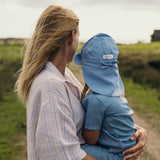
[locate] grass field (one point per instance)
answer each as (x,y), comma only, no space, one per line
(140,49)
(144,96)
(12,113)
(13,131)
(145,102)
(11,52)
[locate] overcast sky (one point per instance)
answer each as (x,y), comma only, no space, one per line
(127,21)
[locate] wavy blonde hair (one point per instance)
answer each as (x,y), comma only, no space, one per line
(53,28)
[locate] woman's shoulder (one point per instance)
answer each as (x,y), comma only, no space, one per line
(47,81)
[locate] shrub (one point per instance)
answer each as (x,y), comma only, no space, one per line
(155,64)
(141,62)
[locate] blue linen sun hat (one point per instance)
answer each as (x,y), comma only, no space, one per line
(98,58)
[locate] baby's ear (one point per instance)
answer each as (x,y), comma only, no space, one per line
(123,95)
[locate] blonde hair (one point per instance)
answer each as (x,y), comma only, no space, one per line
(84,91)
(53,28)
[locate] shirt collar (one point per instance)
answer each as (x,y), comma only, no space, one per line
(53,69)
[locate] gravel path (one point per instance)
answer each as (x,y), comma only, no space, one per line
(153,143)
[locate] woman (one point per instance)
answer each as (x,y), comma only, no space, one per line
(50,91)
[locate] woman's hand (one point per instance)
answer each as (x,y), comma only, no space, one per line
(141,137)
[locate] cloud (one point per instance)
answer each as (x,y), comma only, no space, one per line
(141,4)
(30,3)
(131,2)
(36,3)
(124,3)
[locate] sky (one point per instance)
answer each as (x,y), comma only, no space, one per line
(127,21)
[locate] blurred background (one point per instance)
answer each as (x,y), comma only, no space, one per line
(135,26)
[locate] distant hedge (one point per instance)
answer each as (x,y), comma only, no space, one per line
(141,62)
(155,64)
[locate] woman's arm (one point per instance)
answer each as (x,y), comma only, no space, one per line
(56,134)
(90,136)
(141,137)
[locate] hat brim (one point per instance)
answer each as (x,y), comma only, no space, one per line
(105,81)
(77,58)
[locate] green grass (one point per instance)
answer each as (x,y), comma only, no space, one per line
(135,58)
(141,62)
(145,102)
(12,128)
(11,52)
(12,113)
(140,49)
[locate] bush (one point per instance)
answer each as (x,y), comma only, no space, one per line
(8,70)
(141,62)
(155,64)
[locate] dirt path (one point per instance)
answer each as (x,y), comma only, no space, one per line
(153,143)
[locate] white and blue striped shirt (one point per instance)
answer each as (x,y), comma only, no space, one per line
(54,116)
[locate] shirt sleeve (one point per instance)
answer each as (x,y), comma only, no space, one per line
(56,137)
(94,113)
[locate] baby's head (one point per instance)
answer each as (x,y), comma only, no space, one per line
(98,58)
(101,50)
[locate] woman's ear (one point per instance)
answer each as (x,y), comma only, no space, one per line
(70,38)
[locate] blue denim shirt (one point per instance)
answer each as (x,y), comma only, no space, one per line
(113,117)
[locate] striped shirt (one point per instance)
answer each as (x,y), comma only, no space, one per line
(55,116)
